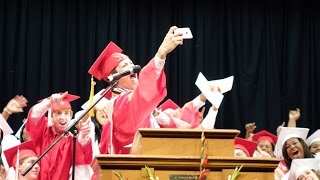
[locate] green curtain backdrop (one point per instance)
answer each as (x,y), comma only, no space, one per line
(271,47)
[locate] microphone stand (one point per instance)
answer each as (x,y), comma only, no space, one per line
(70,129)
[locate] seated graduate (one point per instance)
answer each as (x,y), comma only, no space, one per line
(244,147)
(20,157)
(170,115)
(266,143)
(313,142)
(44,130)
(290,145)
(305,169)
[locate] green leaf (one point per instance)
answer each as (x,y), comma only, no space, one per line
(119,175)
(151,177)
(236,172)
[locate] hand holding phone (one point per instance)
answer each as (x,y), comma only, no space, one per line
(186,32)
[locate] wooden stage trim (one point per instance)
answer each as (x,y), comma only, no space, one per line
(189,133)
(188,163)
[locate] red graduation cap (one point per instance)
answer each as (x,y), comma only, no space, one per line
(265,135)
(105,63)
(168,104)
(247,146)
(65,103)
(26,149)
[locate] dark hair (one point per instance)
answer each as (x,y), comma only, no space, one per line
(307,153)
(316,172)
(273,146)
(97,128)
(21,133)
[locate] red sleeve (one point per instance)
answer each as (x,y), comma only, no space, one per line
(84,153)
(132,112)
(105,139)
(190,114)
(37,128)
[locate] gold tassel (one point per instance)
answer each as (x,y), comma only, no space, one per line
(93,83)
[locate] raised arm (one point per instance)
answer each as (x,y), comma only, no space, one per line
(294,116)
(15,105)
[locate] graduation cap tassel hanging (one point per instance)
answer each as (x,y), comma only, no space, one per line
(93,83)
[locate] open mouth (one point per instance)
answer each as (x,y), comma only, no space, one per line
(295,152)
(133,75)
(62,123)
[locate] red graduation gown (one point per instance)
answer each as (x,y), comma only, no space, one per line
(132,110)
(57,162)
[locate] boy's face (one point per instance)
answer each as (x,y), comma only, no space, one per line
(129,81)
(61,119)
(34,172)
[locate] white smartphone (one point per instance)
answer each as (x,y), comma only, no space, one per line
(186,32)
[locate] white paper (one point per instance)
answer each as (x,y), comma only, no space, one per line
(225,84)
(215,98)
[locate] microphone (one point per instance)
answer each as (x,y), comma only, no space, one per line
(117,76)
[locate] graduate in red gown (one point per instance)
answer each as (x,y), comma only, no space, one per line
(56,164)
(20,157)
(137,98)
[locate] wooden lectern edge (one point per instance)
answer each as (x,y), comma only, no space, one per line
(185,162)
(173,133)
(188,133)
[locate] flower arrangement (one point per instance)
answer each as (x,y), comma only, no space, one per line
(120,175)
(151,176)
(235,173)
(203,158)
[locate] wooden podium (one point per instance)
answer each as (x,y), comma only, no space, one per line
(183,142)
(175,154)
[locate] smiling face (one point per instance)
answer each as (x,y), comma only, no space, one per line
(294,148)
(61,119)
(25,163)
(308,175)
(315,147)
(266,146)
(129,81)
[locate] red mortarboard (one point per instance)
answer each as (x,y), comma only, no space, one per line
(265,135)
(247,146)
(168,104)
(105,63)
(65,104)
(26,149)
